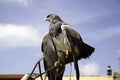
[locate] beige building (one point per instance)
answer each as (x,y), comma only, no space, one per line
(87,78)
(116,76)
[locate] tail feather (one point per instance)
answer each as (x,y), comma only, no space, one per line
(87,50)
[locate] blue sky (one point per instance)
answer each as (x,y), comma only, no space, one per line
(22,28)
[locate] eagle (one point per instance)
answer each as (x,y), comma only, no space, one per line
(65,41)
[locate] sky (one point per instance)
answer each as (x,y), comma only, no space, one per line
(22,28)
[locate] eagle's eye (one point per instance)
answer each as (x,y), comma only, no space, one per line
(48,16)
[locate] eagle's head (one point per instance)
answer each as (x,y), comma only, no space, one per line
(52,18)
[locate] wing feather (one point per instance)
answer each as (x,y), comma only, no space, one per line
(78,47)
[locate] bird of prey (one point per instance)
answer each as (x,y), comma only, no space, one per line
(67,42)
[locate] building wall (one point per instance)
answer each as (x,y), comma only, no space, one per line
(11,76)
(116,76)
(87,78)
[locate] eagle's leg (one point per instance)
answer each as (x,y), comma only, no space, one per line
(77,69)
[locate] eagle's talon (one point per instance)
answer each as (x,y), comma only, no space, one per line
(56,63)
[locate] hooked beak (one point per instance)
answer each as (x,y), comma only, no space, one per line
(46,19)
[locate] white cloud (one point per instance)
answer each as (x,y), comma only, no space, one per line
(90,68)
(21,2)
(18,36)
(118,51)
(104,33)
